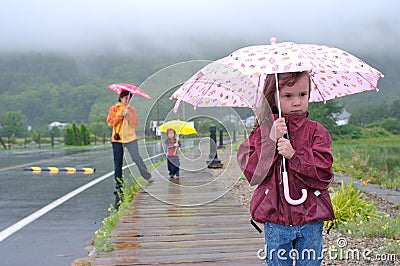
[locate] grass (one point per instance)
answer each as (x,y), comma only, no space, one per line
(103,239)
(371,160)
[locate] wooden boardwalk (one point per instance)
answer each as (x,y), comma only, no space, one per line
(190,220)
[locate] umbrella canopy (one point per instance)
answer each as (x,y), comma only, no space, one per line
(117,88)
(180,127)
(237,80)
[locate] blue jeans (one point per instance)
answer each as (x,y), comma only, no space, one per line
(302,243)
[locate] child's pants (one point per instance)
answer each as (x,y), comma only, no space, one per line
(173,165)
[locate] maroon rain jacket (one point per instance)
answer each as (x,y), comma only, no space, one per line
(309,168)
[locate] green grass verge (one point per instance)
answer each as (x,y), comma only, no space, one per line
(372,160)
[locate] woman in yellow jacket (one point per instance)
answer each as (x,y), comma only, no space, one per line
(123,119)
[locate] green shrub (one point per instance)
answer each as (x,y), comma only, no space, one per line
(351,205)
(350,131)
(392,125)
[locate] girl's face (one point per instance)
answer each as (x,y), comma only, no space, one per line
(294,100)
(171,134)
(125,99)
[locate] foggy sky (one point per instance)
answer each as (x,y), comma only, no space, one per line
(98,26)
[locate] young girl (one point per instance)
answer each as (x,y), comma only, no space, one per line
(172,144)
(291,231)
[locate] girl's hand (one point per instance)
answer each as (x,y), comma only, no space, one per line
(125,112)
(278,129)
(285,148)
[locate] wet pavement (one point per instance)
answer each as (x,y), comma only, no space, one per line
(60,235)
(390,195)
(63,232)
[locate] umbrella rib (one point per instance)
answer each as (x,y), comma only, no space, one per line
(374,86)
(204,93)
(316,86)
(258,91)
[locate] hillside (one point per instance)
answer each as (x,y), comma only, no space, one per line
(50,87)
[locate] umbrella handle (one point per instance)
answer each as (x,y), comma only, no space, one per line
(287,194)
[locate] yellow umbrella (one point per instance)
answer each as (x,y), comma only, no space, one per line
(180,127)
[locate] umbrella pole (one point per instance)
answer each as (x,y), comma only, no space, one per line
(277,95)
(177,141)
(284,173)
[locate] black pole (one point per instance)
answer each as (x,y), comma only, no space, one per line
(221,138)
(52,139)
(9,141)
(213,161)
(234,136)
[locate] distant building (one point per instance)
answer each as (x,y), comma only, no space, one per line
(234,119)
(249,122)
(58,125)
(342,118)
(154,127)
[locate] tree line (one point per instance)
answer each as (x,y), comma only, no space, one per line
(37,89)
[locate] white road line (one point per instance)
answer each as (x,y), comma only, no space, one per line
(27,220)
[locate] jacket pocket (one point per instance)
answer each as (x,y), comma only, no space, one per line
(263,206)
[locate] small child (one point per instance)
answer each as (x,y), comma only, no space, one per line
(172,145)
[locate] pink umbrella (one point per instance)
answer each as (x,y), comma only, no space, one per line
(334,73)
(135,91)
(237,80)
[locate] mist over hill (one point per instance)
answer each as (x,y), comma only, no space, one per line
(47,87)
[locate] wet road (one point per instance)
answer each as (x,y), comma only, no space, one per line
(66,227)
